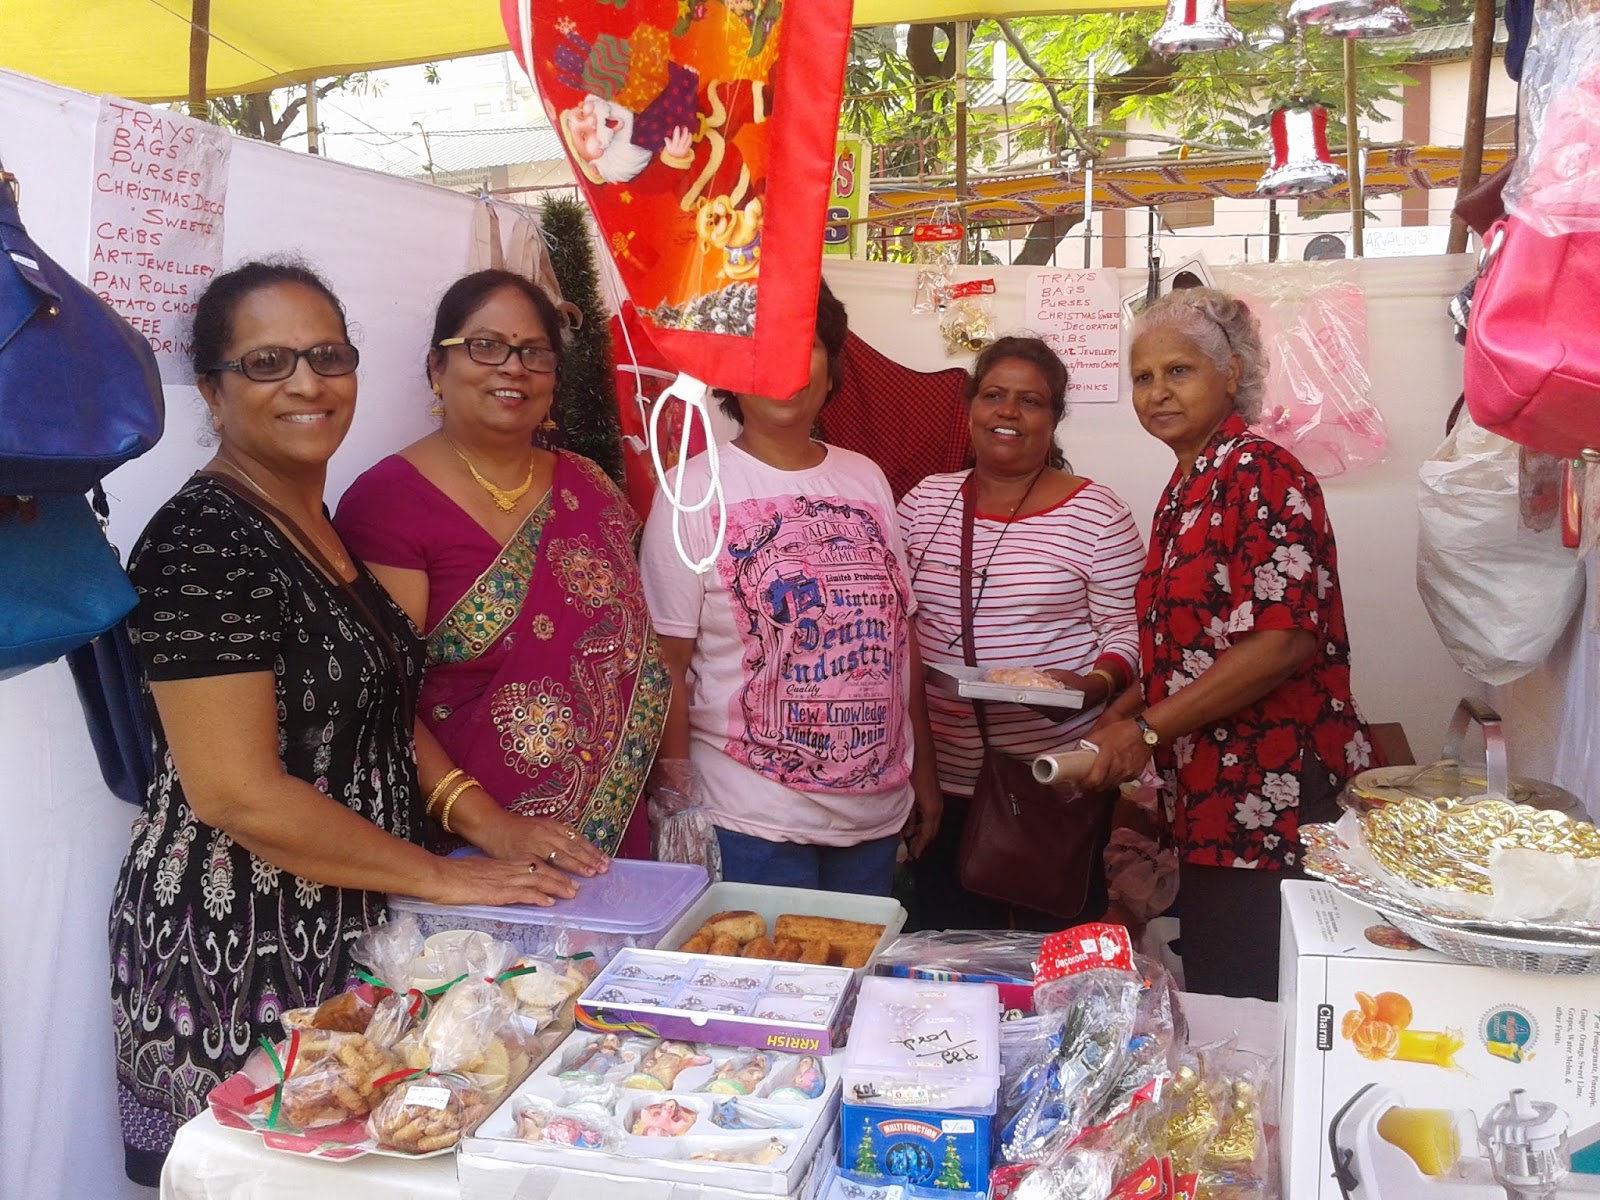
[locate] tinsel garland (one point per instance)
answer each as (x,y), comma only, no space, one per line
(586,392)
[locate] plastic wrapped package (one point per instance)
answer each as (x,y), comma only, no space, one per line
(1318,401)
(468,1053)
(967,320)
(1088,998)
(324,1078)
(541,1121)
(936,250)
(1555,184)
(968,955)
(680,827)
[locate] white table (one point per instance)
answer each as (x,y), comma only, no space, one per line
(209,1162)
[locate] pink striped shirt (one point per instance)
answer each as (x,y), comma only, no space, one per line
(1056,592)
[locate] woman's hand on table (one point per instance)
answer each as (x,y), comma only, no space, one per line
(471,879)
(549,843)
(1123,755)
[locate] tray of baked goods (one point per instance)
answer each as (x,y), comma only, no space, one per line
(747,1119)
(407,1063)
(779,924)
(1010,684)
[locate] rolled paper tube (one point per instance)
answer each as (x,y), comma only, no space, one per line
(1063,768)
(1437,1048)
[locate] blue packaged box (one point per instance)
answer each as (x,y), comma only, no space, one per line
(948,1149)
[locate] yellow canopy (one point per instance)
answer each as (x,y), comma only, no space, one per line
(140,48)
(1138,185)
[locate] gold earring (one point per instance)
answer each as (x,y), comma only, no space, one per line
(438,409)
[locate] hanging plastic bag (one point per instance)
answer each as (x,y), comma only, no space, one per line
(1499,594)
(1318,403)
(669,112)
(1555,185)
(680,828)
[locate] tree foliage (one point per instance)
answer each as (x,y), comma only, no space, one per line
(899,91)
(268,116)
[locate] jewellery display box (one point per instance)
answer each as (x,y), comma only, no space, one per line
(791,1007)
(735,1122)
(632,904)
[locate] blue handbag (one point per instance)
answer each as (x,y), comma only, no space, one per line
(80,393)
(60,582)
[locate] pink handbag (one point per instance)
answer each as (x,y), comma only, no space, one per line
(1532,370)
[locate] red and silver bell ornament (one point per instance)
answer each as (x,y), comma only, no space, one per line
(1300,159)
(1194,27)
(1390,21)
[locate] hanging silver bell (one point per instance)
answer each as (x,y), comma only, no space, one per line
(1320,12)
(1194,27)
(1300,159)
(1390,21)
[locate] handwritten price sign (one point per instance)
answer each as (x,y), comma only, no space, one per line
(1079,313)
(155,221)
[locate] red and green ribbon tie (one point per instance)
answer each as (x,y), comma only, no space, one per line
(419,999)
(283,1067)
(512,973)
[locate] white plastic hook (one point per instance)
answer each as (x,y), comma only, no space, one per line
(696,406)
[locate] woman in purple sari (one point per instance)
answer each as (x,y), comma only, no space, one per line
(545,694)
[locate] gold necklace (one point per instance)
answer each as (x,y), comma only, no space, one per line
(340,560)
(505,499)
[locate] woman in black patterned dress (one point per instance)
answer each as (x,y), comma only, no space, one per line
(283,684)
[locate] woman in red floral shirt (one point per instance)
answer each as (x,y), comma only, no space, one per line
(1245,704)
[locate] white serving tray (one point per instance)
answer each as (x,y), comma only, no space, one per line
(969,682)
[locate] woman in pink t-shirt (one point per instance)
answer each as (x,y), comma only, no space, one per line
(797,683)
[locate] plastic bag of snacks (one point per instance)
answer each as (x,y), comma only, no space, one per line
(467,1054)
(324,1077)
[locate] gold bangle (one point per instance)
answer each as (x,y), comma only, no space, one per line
(450,802)
(1111,680)
(438,788)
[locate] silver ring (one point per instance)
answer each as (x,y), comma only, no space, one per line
(533,868)
(550,858)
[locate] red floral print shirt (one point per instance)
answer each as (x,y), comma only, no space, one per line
(1243,543)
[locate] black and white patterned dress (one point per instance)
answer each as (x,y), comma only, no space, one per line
(209,944)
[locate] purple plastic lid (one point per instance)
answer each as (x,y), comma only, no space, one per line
(636,896)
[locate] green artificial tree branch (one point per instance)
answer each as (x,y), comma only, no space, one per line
(586,392)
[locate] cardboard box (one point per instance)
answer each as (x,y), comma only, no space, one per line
(1397,1057)
(790,1007)
(935,1149)
(501,1163)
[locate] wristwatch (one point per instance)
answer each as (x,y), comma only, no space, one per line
(1149,736)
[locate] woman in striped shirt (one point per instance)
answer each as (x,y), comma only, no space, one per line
(1055,558)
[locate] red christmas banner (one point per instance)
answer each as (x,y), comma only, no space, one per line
(702,134)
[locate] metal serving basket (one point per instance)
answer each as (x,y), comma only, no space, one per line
(1497,950)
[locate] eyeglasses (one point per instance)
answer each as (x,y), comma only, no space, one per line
(491,353)
(269,364)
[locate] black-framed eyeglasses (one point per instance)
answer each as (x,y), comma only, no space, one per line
(269,364)
(489,352)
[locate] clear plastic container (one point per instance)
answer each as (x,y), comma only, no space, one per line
(924,1044)
(631,905)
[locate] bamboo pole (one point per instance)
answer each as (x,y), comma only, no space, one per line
(1352,152)
(1477,114)
(199,53)
(961,120)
